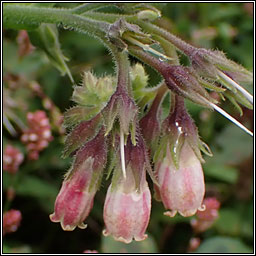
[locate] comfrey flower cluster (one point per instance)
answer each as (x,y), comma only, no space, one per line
(116,130)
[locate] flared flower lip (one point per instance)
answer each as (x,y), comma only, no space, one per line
(53,218)
(132,213)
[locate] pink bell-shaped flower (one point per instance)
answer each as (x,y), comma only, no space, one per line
(178,166)
(128,201)
(181,190)
(75,199)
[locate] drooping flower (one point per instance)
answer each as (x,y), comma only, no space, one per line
(178,167)
(181,190)
(75,199)
(128,201)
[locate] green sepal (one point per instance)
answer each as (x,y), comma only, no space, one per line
(160,152)
(175,146)
(227,85)
(204,148)
(233,101)
(75,115)
(94,91)
(95,181)
(211,86)
(239,97)
(112,161)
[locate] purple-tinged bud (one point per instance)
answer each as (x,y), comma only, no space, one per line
(81,133)
(150,123)
(128,201)
(183,81)
(150,128)
(75,199)
(208,62)
(186,83)
(206,218)
(120,106)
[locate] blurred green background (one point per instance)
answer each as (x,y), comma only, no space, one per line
(228,174)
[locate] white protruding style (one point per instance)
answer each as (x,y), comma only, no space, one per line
(232,119)
(122,153)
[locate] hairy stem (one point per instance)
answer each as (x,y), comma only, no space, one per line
(155,30)
(161,92)
(15,16)
(88,7)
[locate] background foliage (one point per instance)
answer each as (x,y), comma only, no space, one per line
(228,174)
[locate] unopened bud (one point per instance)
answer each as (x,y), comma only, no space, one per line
(148,15)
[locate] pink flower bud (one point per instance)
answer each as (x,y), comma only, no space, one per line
(90,251)
(181,190)
(12,158)
(11,221)
(212,206)
(75,199)
(206,218)
(127,213)
(38,135)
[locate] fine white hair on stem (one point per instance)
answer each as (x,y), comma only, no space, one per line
(246,94)
(232,119)
(122,152)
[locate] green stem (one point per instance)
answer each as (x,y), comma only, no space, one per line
(123,67)
(155,107)
(147,26)
(15,16)
(168,48)
(148,59)
(177,42)
(109,17)
(88,7)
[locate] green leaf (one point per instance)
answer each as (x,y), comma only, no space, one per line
(44,191)
(222,244)
(232,147)
(221,172)
(46,37)
(36,187)
(17,249)
(236,221)
(109,245)
(229,222)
